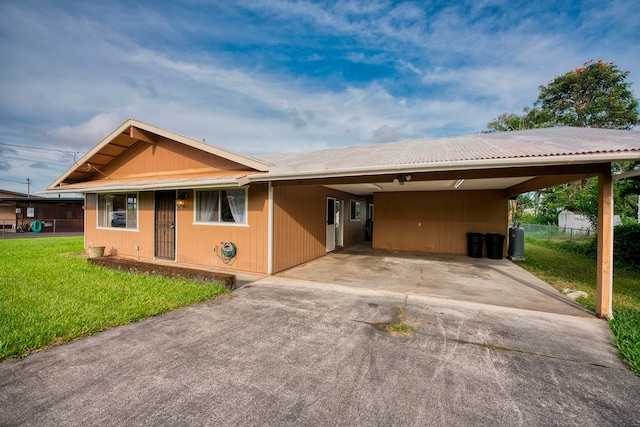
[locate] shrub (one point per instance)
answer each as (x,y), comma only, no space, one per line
(626,244)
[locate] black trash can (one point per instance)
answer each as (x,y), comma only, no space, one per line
(495,245)
(474,244)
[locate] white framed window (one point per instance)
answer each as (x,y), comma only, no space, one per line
(355,210)
(118,210)
(228,206)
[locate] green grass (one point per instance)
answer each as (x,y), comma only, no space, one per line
(399,327)
(570,270)
(50,294)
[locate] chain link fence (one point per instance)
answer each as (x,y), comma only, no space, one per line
(555,233)
(10,228)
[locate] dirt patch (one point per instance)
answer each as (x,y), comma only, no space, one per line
(173,271)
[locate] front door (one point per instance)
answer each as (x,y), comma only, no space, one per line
(331,224)
(165,224)
(334,224)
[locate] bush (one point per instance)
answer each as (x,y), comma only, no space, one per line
(626,244)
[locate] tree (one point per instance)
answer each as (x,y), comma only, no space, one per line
(530,119)
(594,95)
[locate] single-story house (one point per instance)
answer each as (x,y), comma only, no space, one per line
(152,194)
(19,211)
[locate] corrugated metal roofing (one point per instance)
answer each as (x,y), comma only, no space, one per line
(548,142)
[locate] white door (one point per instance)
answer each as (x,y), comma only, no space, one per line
(331,224)
(338,222)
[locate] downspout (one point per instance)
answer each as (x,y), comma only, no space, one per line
(84,219)
(270,230)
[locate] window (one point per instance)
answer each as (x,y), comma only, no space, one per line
(221,206)
(356,210)
(118,210)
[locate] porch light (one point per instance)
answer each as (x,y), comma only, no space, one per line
(402,179)
(181,200)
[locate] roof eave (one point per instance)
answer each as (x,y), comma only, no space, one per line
(153,186)
(250,162)
(452,166)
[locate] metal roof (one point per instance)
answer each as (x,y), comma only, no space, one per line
(533,143)
(372,163)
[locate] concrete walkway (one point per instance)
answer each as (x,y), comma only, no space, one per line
(285,351)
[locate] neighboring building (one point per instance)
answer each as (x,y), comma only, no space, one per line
(18,211)
(574,221)
(577,222)
(153,194)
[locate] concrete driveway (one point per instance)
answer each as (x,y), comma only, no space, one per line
(285,351)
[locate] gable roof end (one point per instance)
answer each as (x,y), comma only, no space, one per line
(113,145)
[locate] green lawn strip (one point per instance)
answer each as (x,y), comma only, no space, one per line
(569,270)
(49,294)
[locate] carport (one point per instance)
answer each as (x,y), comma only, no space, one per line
(457,278)
(428,194)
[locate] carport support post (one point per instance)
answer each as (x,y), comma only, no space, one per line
(605,245)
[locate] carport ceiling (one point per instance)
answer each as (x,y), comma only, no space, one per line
(441,185)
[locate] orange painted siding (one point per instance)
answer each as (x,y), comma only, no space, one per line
(118,241)
(168,158)
(300,225)
(194,242)
(436,222)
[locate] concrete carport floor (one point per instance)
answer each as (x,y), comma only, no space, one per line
(461,278)
(289,352)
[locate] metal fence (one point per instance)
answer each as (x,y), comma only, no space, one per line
(553,232)
(10,228)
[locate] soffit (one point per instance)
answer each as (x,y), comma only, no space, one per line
(132,132)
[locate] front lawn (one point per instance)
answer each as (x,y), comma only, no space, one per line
(49,294)
(564,269)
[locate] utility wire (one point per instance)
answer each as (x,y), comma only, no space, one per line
(12,180)
(40,148)
(31,159)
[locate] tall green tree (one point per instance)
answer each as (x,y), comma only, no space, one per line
(594,95)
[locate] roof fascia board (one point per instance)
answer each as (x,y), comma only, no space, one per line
(237,158)
(119,130)
(449,166)
(220,152)
(115,188)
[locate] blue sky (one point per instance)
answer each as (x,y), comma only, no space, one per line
(270,76)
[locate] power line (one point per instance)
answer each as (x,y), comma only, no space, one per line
(11,180)
(69,152)
(31,159)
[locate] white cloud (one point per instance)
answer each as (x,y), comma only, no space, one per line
(77,72)
(88,133)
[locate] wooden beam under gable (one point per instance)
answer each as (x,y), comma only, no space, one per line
(143,135)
